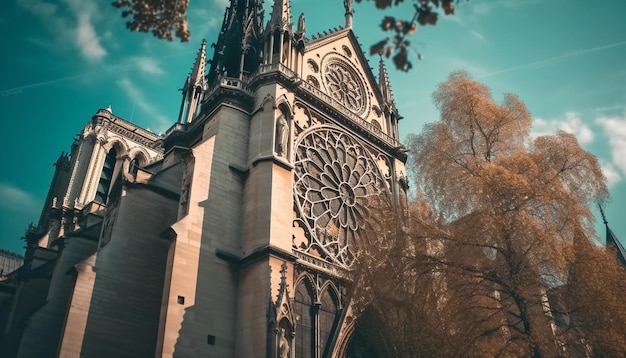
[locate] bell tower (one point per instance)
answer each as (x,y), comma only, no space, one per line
(286,143)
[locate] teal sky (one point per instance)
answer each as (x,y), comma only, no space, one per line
(63,60)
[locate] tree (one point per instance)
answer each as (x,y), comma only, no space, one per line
(167,19)
(499,238)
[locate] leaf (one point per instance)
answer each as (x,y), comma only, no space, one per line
(378,48)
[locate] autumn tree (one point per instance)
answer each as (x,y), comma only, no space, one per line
(398,293)
(519,203)
(505,213)
(590,311)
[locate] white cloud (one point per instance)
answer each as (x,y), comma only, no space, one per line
(611,173)
(69,24)
(138,99)
(86,38)
(16,199)
(615,128)
(148,65)
(570,122)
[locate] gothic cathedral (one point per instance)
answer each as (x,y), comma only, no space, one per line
(234,233)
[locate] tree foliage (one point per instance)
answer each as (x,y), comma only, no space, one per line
(499,245)
(397,44)
(166,19)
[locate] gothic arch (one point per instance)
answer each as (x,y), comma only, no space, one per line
(142,156)
(282,103)
(331,287)
(118,143)
(307,278)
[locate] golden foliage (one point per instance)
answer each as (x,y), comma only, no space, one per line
(494,235)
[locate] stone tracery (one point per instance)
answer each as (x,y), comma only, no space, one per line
(336,180)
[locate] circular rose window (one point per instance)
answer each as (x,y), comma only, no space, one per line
(344,85)
(336,183)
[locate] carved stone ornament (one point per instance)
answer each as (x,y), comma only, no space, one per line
(344,85)
(336,182)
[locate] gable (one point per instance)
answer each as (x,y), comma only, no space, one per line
(336,65)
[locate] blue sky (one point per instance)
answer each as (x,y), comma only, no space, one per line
(62,60)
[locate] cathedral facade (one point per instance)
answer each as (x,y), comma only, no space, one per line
(234,233)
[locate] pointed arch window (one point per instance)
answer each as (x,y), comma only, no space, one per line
(106,176)
(304,311)
(327,317)
(315,321)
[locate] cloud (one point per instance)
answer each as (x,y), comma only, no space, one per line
(138,99)
(69,24)
(86,38)
(611,173)
(479,36)
(16,199)
(570,122)
(148,65)
(615,128)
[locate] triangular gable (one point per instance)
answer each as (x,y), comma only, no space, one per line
(339,52)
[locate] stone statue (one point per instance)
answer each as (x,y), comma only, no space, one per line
(282,135)
(283,345)
(301,24)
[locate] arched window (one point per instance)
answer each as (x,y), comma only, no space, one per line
(133,167)
(305,319)
(327,316)
(105,178)
(315,321)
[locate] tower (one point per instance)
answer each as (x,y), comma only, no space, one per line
(294,139)
(234,233)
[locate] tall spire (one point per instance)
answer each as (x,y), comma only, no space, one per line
(281,15)
(238,47)
(198,70)
(194,86)
(383,83)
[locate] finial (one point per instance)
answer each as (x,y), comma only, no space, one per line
(109,109)
(347,4)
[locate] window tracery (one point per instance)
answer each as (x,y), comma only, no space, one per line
(344,85)
(336,180)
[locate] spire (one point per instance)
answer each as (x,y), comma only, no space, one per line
(612,241)
(383,83)
(194,86)
(347,4)
(238,46)
(281,15)
(197,72)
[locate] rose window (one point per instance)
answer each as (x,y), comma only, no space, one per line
(344,85)
(336,183)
